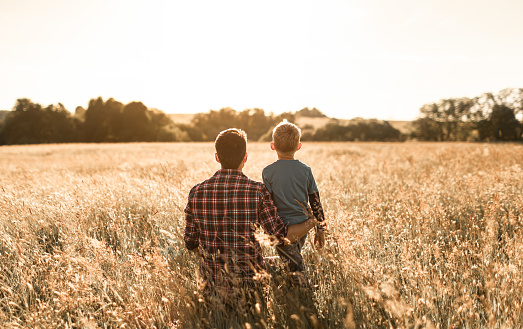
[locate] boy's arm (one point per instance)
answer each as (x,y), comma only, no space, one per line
(317,210)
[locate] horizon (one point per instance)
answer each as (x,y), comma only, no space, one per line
(267,113)
(518,115)
(346,58)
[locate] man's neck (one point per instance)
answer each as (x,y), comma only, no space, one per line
(240,169)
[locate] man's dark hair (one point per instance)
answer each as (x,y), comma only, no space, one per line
(231,146)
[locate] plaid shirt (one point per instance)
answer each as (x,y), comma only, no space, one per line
(221,215)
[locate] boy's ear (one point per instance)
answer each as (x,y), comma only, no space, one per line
(299,146)
(272,146)
(216,157)
(245,158)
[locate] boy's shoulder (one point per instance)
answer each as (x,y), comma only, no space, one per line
(269,166)
(303,164)
(286,165)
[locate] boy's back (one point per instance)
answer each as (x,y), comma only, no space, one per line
(292,185)
(288,181)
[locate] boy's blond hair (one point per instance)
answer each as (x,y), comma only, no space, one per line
(286,137)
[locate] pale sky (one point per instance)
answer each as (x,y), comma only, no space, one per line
(355,58)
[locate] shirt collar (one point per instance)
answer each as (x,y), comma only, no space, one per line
(231,172)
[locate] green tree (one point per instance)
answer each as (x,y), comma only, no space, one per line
(192,133)
(447,119)
(253,121)
(135,124)
(3,115)
(30,123)
(501,125)
(102,120)
(358,130)
(427,129)
(210,124)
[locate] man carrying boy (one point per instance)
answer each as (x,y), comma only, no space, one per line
(292,185)
(221,215)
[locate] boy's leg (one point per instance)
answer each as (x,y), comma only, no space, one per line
(301,242)
(297,297)
(291,256)
(300,276)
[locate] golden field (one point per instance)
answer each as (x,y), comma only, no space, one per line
(420,236)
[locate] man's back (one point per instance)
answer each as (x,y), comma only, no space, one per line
(221,215)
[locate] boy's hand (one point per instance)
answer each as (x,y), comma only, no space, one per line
(319,239)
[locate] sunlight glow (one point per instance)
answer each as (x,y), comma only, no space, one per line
(347,58)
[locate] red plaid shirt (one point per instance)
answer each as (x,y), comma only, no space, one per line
(221,215)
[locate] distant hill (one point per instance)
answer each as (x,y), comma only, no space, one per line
(312,113)
(3,114)
(181,118)
(405,127)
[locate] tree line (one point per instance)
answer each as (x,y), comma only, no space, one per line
(113,121)
(488,117)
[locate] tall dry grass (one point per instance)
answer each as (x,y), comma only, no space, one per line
(420,236)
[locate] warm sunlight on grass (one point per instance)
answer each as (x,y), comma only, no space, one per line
(420,236)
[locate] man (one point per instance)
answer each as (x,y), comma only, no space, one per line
(222,214)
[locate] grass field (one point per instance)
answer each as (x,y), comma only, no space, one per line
(420,236)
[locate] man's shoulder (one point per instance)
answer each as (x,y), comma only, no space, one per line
(238,181)
(195,188)
(252,183)
(202,184)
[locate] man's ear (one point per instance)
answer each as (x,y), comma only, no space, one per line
(299,146)
(216,157)
(272,146)
(245,158)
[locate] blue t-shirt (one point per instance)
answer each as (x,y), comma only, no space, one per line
(290,180)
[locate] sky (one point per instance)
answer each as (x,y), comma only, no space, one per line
(379,59)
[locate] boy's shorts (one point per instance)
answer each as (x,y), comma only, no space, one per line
(290,254)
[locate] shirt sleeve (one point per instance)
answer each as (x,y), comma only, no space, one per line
(315,203)
(191,235)
(311,184)
(268,217)
(317,209)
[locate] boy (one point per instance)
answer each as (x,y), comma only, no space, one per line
(290,180)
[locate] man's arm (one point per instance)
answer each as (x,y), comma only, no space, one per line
(268,216)
(296,231)
(191,235)
(196,251)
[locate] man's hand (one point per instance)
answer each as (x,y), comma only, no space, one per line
(319,239)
